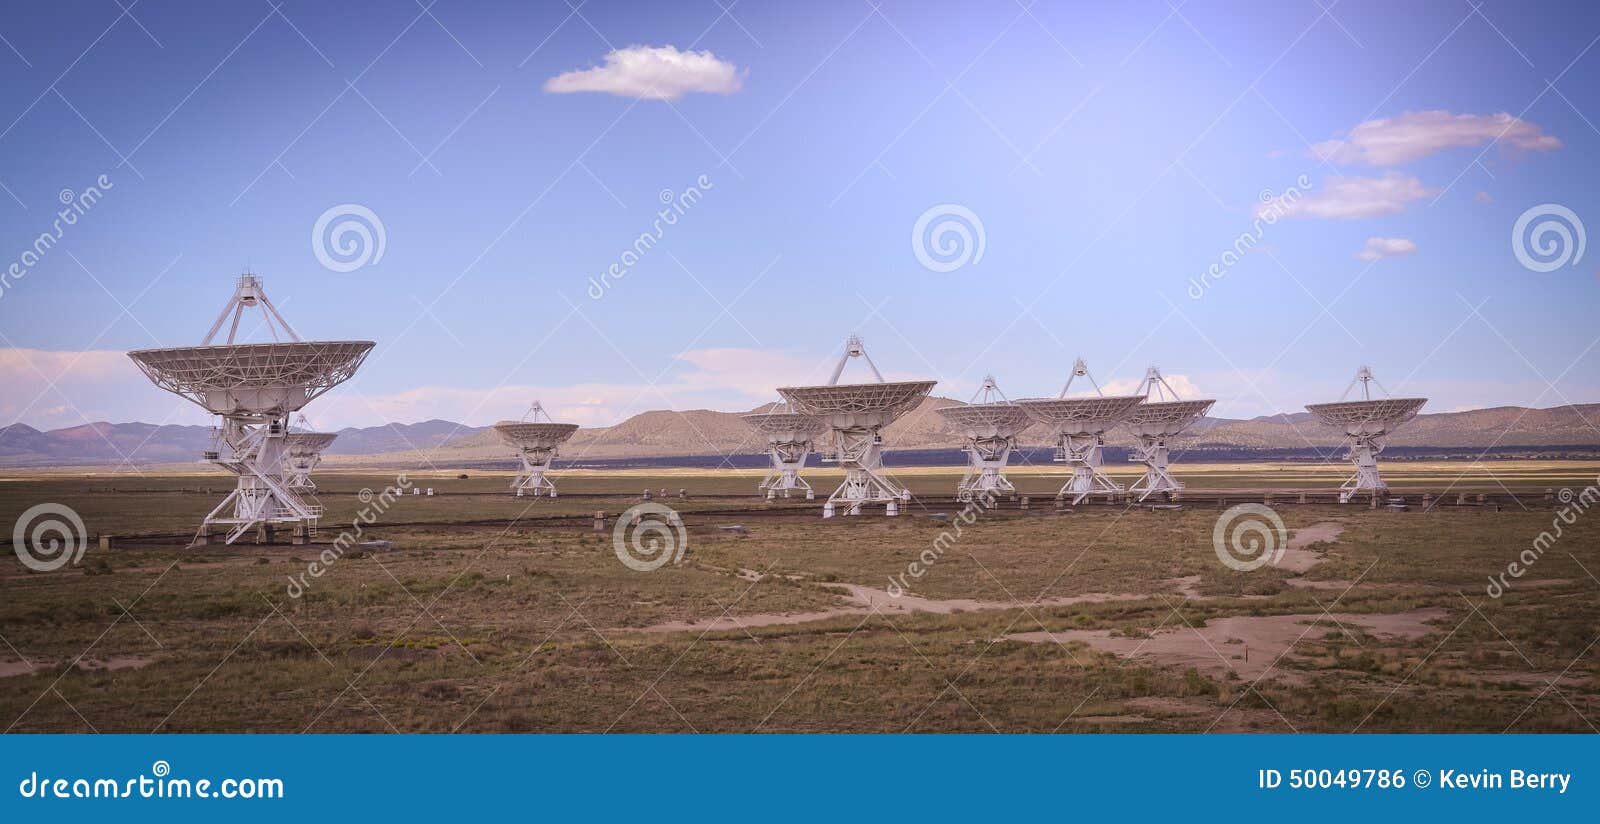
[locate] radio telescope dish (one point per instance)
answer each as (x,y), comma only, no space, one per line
(990,423)
(1079,426)
(536,442)
(856,414)
(1366,423)
(1155,423)
(254,387)
(789,441)
(303,451)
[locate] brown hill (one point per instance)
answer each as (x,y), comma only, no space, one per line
(1500,426)
(708,432)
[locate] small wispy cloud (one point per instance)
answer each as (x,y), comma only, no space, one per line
(1349,198)
(1181,384)
(652,73)
(1378,248)
(729,379)
(1412,136)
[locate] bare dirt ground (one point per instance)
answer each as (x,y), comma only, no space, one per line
(1247,647)
(1102,619)
(872,601)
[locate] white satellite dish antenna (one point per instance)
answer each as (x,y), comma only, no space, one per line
(536,442)
(255,387)
(1079,426)
(302,452)
(990,423)
(1366,423)
(789,441)
(856,414)
(1161,418)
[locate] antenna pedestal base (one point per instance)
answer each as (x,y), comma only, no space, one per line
(1153,453)
(1082,453)
(297,474)
(861,457)
(531,482)
(1364,455)
(262,498)
(784,475)
(985,475)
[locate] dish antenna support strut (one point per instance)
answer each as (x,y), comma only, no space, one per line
(536,442)
(790,437)
(1367,424)
(1079,426)
(856,415)
(1155,423)
(990,422)
(254,388)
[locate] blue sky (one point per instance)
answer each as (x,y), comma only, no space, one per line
(1111,152)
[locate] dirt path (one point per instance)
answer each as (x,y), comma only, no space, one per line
(864,600)
(1296,557)
(1242,644)
(115,662)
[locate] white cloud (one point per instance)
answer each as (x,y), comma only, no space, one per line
(651,73)
(725,379)
(52,389)
(1348,198)
(1378,248)
(1415,135)
(107,386)
(1182,384)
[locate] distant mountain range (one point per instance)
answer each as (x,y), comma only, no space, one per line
(708,432)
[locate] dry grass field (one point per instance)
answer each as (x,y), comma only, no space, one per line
(493,614)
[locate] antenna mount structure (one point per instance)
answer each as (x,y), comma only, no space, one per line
(990,423)
(536,443)
(1162,417)
(856,414)
(303,451)
(790,436)
(254,387)
(1367,424)
(1079,426)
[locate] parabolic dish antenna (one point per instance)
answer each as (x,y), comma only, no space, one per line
(1366,423)
(1155,423)
(254,387)
(856,414)
(990,423)
(303,451)
(1079,426)
(536,442)
(789,438)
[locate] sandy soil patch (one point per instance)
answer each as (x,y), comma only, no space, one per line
(1296,557)
(1244,645)
(1235,720)
(865,600)
(108,664)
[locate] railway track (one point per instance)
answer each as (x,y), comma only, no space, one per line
(927,506)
